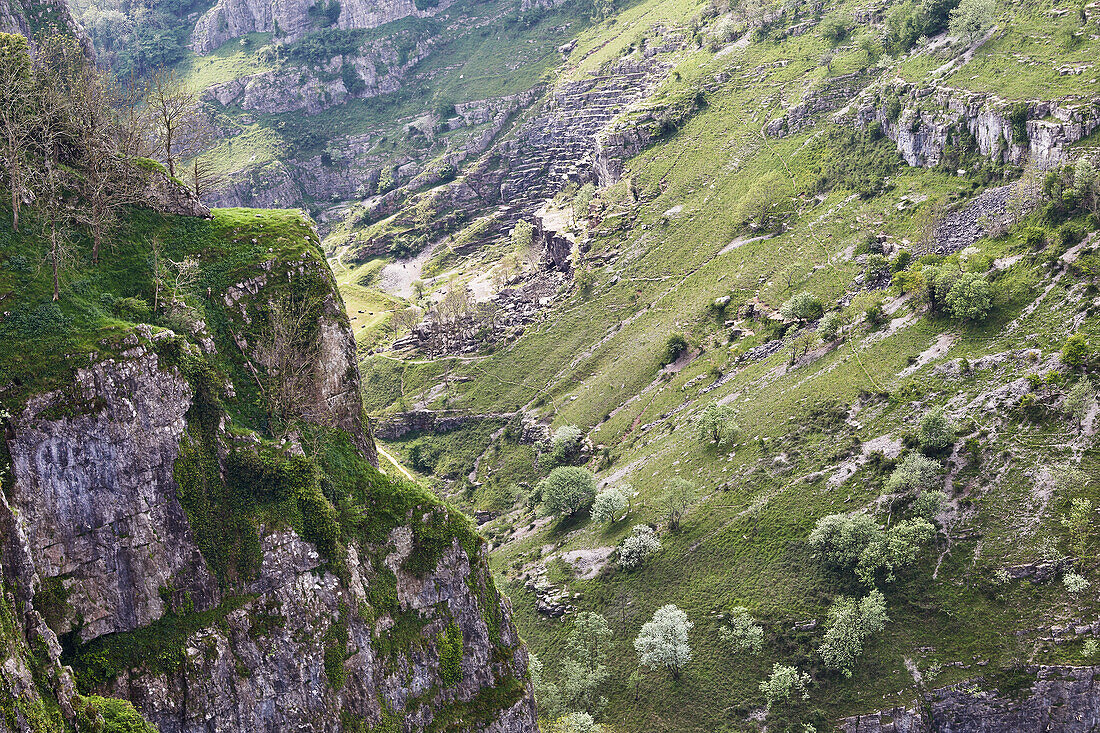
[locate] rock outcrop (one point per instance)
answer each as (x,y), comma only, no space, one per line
(928,119)
(290,21)
(1054,698)
(132,549)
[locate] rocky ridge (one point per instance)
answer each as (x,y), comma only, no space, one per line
(102,555)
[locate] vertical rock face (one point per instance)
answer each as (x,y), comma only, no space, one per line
(96,503)
(292,19)
(1033,132)
(1063,699)
(104,561)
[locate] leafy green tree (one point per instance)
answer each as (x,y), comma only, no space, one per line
(610,504)
(582,200)
(547,693)
(801,307)
(851,622)
(784,682)
(1075,352)
(677,499)
(637,547)
(840,539)
(914,474)
(765,203)
(1079,524)
(970,297)
(568,490)
(585,668)
(717,425)
(17,128)
(1086,183)
(663,641)
(936,431)
(743,633)
(893,549)
(829,327)
(971,18)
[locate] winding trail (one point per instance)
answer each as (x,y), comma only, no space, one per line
(385,454)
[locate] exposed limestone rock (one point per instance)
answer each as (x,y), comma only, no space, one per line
(291,20)
(1064,699)
(161,193)
(96,502)
(1034,132)
(832,94)
(93,532)
(395,427)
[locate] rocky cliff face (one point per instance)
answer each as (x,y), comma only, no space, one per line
(1052,698)
(291,20)
(930,119)
(175,554)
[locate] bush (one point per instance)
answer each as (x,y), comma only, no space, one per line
(743,633)
(568,490)
(636,548)
(936,432)
(915,474)
(118,716)
(610,504)
(970,297)
(801,307)
(565,444)
(1075,583)
(716,424)
(675,345)
(783,682)
(829,328)
(850,623)
(1075,352)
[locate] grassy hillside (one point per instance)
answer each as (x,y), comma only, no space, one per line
(820,432)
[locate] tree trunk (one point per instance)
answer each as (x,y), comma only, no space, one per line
(54,256)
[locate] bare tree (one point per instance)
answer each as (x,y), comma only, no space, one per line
(288,351)
(405,320)
(172,106)
(17,102)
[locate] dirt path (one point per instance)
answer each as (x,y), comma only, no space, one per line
(401,469)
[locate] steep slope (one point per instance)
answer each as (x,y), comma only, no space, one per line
(784,152)
(192,517)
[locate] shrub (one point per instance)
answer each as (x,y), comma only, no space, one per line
(663,641)
(1075,583)
(636,548)
(801,307)
(565,444)
(783,682)
(568,490)
(1075,351)
(119,716)
(743,633)
(970,297)
(913,475)
(610,504)
(830,325)
(928,504)
(841,539)
(936,432)
(850,623)
(675,345)
(716,424)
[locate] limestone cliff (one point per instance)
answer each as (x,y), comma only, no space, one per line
(193,525)
(1052,698)
(291,20)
